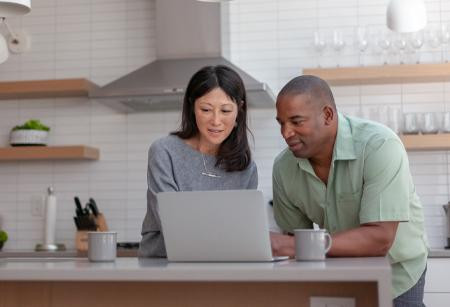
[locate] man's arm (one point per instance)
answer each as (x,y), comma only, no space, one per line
(371,239)
(368,240)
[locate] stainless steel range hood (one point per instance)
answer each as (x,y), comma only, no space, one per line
(187,39)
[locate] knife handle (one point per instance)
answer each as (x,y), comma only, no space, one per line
(93,206)
(78,203)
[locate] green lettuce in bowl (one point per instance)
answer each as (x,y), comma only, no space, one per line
(31,133)
(32,124)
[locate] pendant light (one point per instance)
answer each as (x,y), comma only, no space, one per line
(406,15)
(14,7)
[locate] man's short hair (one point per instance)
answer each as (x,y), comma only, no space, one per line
(316,88)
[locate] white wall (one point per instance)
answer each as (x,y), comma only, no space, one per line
(103,39)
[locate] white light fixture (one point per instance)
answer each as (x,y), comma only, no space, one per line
(3,49)
(406,15)
(17,41)
(10,8)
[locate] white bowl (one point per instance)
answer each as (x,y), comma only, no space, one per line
(28,137)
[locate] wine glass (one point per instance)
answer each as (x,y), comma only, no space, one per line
(384,43)
(400,44)
(433,40)
(338,44)
(444,38)
(362,42)
(416,42)
(320,44)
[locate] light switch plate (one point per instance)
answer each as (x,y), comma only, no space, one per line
(321,301)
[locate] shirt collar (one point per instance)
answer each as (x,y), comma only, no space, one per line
(343,147)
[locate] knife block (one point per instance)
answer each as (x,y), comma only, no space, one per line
(101,222)
(81,237)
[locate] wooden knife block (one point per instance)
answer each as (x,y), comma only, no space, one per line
(81,237)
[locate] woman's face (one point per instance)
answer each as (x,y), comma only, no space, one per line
(215,114)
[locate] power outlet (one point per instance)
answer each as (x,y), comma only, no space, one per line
(37,205)
(319,301)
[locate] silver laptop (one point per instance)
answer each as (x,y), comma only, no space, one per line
(217,226)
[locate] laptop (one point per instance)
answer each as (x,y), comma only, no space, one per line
(215,226)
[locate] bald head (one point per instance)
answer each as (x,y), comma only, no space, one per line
(315,89)
(308,118)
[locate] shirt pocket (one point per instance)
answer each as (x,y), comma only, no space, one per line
(348,209)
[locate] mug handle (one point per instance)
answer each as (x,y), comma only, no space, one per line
(329,242)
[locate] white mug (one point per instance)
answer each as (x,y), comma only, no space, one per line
(102,246)
(311,244)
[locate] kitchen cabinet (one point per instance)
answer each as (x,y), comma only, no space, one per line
(46,88)
(386,74)
(437,287)
(72,152)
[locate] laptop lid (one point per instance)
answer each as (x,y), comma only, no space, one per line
(228,225)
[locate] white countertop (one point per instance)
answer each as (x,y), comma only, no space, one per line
(135,269)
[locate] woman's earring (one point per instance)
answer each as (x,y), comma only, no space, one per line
(235,124)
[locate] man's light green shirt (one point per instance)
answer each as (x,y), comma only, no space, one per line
(369,181)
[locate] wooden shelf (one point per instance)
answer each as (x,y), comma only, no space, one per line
(75,152)
(383,74)
(416,142)
(45,88)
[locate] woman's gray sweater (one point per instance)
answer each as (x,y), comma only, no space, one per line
(173,165)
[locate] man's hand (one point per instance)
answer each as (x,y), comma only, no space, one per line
(282,245)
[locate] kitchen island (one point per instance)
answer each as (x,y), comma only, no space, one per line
(155,282)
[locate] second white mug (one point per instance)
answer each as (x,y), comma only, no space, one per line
(102,246)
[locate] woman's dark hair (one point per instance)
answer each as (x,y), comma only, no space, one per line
(234,152)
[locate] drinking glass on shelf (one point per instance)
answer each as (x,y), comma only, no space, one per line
(384,43)
(429,123)
(445,127)
(444,37)
(394,119)
(410,123)
(416,42)
(338,44)
(362,42)
(400,44)
(433,41)
(320,44)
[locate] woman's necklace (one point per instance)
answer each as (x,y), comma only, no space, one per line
(206,172)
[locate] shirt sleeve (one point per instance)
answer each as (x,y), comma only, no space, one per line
(253,182)
(387,183)
(160,178)
(287,216)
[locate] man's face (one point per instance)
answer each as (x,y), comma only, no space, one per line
(302,125)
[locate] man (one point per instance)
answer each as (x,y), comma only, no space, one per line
(351,177)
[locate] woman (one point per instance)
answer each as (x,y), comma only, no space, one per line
(209,152)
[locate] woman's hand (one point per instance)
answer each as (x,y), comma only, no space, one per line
(282,245)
